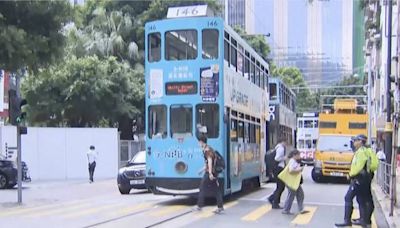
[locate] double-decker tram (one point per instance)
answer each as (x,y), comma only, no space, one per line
(307,136)
(282,114)
(202,78)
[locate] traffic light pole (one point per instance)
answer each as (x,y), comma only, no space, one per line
(19,164)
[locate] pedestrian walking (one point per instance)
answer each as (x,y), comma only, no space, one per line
(293,179)
(209,183)
(92,155)
(363,165)
(280,156)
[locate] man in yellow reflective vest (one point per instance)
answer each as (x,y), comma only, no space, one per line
(361,173)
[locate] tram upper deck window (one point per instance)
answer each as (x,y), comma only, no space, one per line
(154,47)
(210,43)
(247,66)
(207,115)
(300,124)
(272,91)
(157,121)
(181,44)
(308,124)
(181,121)
(233,62)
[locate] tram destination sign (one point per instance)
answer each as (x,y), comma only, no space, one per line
(180,88)
(188,11)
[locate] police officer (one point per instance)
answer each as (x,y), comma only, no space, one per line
(359,179)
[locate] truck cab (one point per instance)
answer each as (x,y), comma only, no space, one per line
(334,151)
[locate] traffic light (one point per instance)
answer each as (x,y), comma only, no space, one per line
(15,105)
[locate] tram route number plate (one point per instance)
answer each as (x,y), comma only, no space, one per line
(137,182)
(337,174)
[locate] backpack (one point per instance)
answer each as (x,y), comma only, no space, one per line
(372,160)
(219,162)
(270,162)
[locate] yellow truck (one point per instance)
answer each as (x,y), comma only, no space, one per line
(334,148)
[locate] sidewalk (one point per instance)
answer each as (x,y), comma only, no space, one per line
(384,202)
(39,193)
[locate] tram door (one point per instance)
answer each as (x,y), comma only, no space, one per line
(227,121)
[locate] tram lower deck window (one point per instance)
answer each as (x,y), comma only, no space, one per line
(181,121)
(207,115)
(157,121)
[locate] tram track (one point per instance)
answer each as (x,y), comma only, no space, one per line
(169,219)
(140,212)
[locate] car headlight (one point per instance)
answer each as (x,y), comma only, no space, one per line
(318,164)
(15,165)
(121,170)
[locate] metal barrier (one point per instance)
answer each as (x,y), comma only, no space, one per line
(384,176)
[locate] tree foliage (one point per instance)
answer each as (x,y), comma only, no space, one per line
(257,42)
(83,92)
(30,33)
(350,80)
(292,77)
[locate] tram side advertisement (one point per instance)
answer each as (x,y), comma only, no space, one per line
(209,83)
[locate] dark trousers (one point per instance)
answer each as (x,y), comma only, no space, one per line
(365,200)
(360,190)
(209,186)
(275,198)
(92,166)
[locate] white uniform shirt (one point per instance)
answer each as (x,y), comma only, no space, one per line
(280,155)
(381,156)
(92,156)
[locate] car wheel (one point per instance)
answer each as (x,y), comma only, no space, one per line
(11,185)
(124,191)
(318,178)
(3,181)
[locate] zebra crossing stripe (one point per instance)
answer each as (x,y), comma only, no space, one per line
(257,213)
(302,219)
(209,212)
(168,210)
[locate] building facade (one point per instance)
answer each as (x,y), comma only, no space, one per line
(315,36)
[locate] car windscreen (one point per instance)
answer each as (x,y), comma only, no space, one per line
(334,143)
(139,158)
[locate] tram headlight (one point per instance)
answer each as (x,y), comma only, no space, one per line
(181,167)
(318,164)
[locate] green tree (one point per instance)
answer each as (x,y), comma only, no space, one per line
(257,42)
(84,92)
(106,34)
(30,33)
(292,77)
(346,81)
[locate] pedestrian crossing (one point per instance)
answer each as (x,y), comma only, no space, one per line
(244,212)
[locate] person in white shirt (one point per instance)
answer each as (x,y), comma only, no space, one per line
(381,155)
(280,157)
(92,157)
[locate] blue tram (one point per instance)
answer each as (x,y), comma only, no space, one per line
(201,77)
(282,113)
